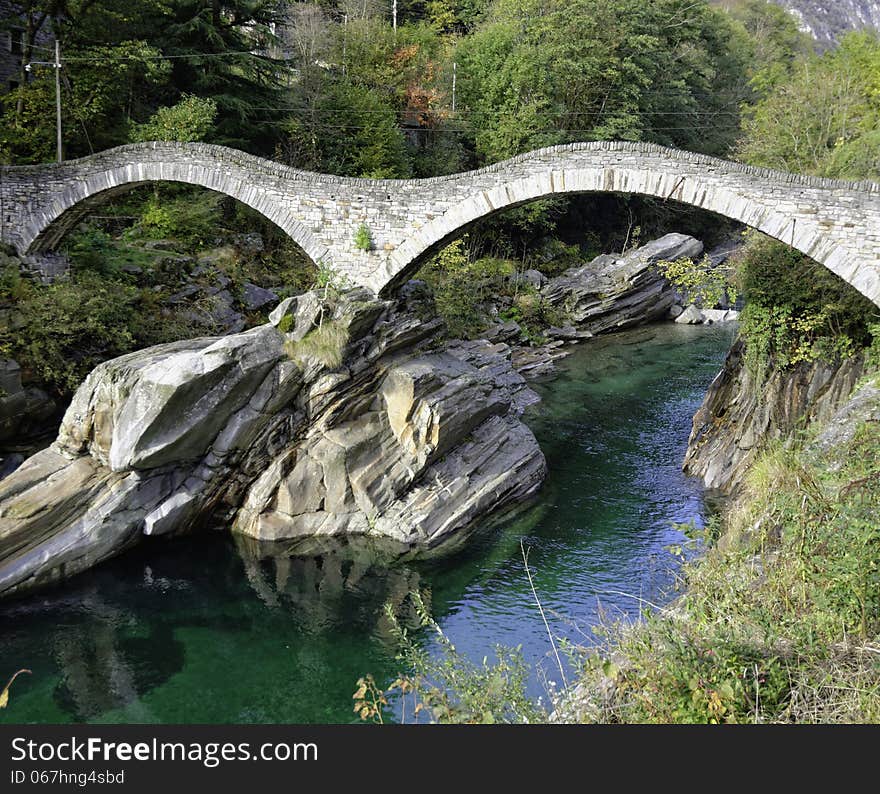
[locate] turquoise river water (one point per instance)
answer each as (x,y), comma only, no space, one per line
(204,630)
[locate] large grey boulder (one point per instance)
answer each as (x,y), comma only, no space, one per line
(437,447)
(256,298)
(531,278)
(690,316)
(333,419)
(720,315)
(616,292)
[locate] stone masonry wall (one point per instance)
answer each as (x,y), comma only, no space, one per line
(835,222)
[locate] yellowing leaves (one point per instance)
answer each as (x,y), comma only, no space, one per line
(4,695)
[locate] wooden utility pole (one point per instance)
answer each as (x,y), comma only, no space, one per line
(453,85)
(58,97)
(394,17)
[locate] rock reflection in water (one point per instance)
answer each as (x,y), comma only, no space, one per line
(311,577)
(104,670)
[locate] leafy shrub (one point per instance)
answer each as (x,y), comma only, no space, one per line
(699,282)
(363,240)
(190,216)
(191,119)
(91,249)
(797,310)
(63,330)
(461,286)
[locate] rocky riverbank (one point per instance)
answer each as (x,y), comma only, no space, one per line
(341,416)
(610,293)
(743,411)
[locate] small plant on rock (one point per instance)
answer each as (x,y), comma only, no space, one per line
(363,239)
(700,282)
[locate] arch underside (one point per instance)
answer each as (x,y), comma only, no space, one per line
(47,231)
(806,237)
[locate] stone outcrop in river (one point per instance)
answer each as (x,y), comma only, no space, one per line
(340,417)
(743,411)
(619,291)
(611,293)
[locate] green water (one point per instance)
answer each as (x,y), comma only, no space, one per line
(199,630)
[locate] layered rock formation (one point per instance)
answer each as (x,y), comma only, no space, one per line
(23,411)
(616,292)
(610,293)
(743,411)
(828,20)
(337,418)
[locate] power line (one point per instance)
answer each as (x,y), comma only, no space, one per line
(106,58)
(465,113)
(459,130)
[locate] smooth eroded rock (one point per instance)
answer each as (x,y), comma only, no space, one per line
(332,420)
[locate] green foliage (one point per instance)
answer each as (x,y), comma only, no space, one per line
(117,72)
(450,688)
(536,74)
(345,129)
(191,119)
(825,119)
(64,330)
(285,326)
(533,314)
(91,249)
(872,354)
(363,240)
(770,38)
(797,310)
(330,280)
(700,282)
(247,83)
(189,216)
(461,285)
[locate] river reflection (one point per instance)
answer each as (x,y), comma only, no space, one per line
(312,578)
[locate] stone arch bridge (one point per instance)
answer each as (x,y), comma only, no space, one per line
(836,223)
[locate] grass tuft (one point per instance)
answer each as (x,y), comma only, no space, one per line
(325,343)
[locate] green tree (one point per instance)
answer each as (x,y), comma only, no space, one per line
(223,51)
(537,73)
(771,40)
(99,84)
(189,120)
(347,130)
(826,119)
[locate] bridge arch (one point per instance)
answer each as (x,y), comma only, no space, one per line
(138,164)
(835,222)
(758,212)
